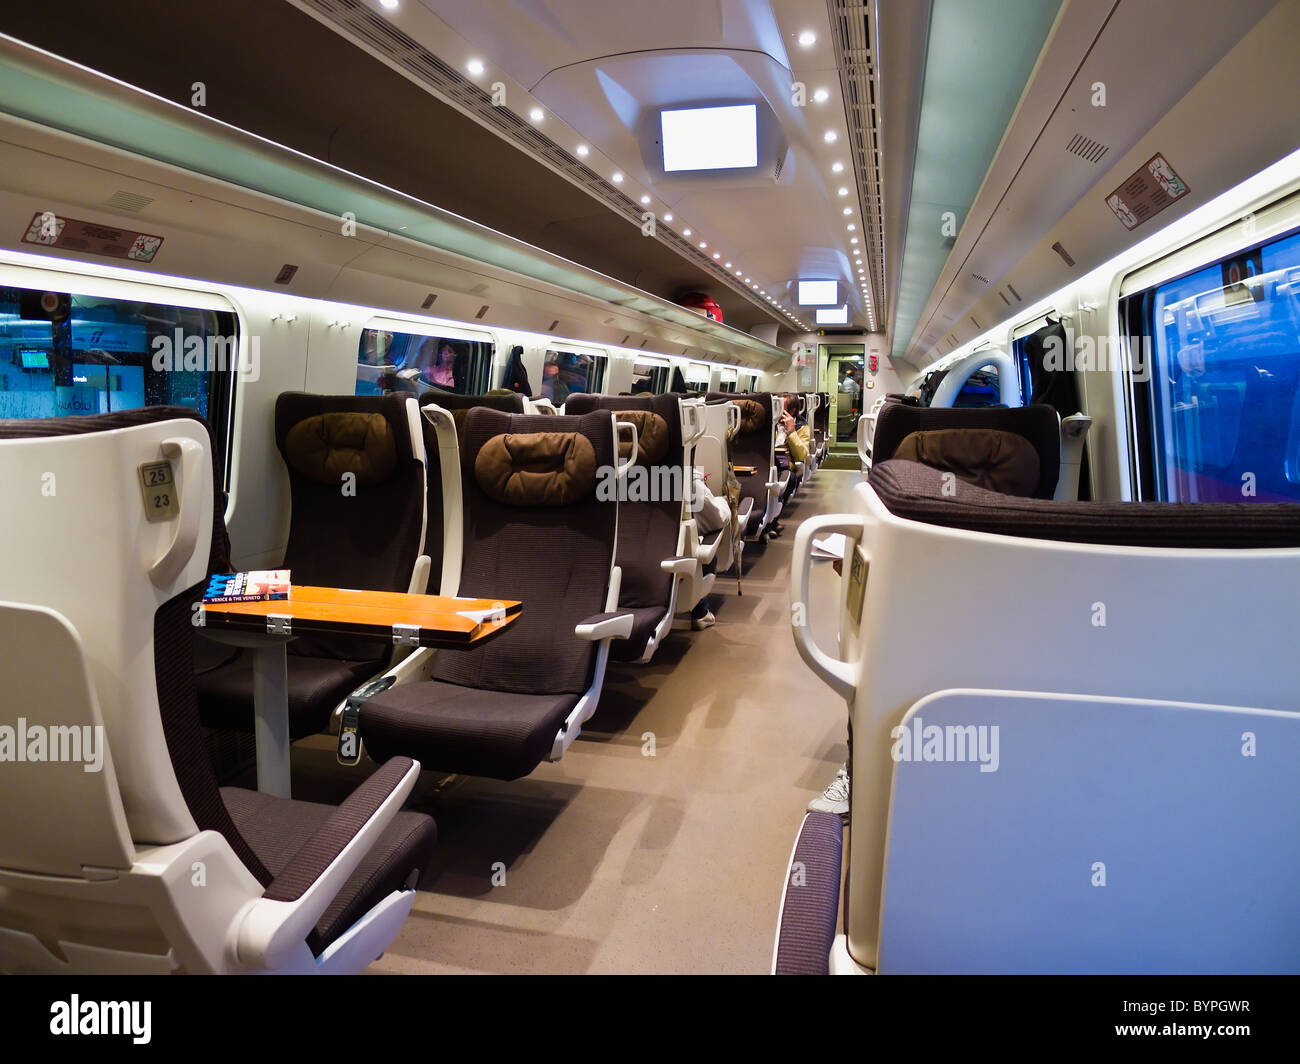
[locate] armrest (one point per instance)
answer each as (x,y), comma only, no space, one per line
(280,921)
(743,510)
(616,625)
(679,566)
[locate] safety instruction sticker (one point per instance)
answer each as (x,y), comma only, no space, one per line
(1148,192)
(55,231)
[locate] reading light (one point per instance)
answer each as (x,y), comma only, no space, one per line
(474,66)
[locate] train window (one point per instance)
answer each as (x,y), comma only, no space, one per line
(565,373)
(980,389)
(696,378)
(1217,381)
(649,377)
(390,361)
(64,354)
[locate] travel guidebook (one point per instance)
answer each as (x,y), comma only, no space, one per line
(261,585)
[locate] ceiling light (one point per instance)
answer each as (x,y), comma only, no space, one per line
(474,66)
(536,114)
(582,150)
(704,243)
(391,5)
(727,265)
(617,178)
(806,39)
(686,232)
(717,254)
(842,191)
(668,217)
(739,271)
(830,136)
(850,227)
(848,210)
(853,240)
(645,199)
(821,96)
(837,168)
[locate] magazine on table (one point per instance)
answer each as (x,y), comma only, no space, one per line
(259,585)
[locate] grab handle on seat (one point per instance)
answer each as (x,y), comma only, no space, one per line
(865,422)
(181,550)
(837,674)
(622,467)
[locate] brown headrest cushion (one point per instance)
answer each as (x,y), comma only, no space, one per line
(753,415)
(324,447)
(988,458)
(651,436)
(537,468)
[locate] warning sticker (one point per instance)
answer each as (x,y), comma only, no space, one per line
(1148,192)
(51,230)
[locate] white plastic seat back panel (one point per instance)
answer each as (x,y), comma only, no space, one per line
(1114,835)
(61,814)
(77,541)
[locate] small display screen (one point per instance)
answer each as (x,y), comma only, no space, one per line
(34,358)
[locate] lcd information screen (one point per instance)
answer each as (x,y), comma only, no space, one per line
(34,358)
(819,293)
(710,138)
(834,316)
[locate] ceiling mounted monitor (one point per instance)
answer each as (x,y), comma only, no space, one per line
(834,316)
(709,138)
(819,293)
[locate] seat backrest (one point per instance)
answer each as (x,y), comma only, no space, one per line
(357,478)
(1146,603)
(81,544)
(650,514)
(753,443)
(553,554)
(1039,425)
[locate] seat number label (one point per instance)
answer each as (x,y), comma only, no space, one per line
(158,488)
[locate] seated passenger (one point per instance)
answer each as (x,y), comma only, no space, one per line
(712,514)
(793,433)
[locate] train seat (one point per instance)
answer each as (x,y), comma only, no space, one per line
(722,550)
(754,445)
(661,577)
(548,541)
(977,444)
(355,465)
(1126,726)
(136,861)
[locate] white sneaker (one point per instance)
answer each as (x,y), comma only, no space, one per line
(701,623)
(835,799)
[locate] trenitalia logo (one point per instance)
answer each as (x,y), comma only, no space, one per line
(79,1017)
(36,742)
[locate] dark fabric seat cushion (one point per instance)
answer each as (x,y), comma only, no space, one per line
(277,828)
(448,728)
(916,492)
(536,468)
(316,686)
(988,458)
(644,620)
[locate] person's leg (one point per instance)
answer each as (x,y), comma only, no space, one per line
(835,799)
(702,616)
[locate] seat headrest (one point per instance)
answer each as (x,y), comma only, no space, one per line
(324,447)
(651,436)
(537,468)
(988,458)
(753,414)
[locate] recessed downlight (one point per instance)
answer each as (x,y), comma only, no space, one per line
(616,177)
(582,151)
(645,199)
(806,39)
(536,114)
(830,136)
(474,66)
(668,217)
(837,168)
(842,191)
(821,96)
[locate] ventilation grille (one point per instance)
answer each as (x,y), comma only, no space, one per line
(128,201)
(355,20)
(851,32)
(1087,148)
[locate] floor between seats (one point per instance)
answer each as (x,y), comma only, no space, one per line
(614,861)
